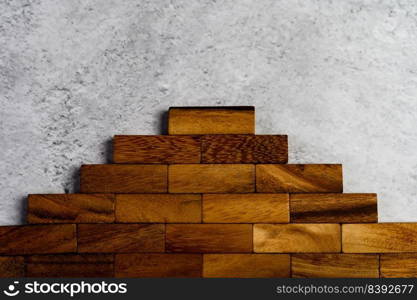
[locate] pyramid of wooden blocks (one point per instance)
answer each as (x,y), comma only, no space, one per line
(210,199)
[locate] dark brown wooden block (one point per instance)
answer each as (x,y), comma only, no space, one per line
(333,208)
(246,265)
(158,149)
(12,266)
(211,120)
(334,265)
(158,265)
(158,208)
(70,208)
(121,238)
(38,239)
(124,179)
(211,178)
(299,178)
(70,265)
(399,265)
(236,149)
(201,238)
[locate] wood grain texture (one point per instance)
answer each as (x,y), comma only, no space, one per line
(313,178)
(12,266)
(121,238)
(157,149)
(158,208)
(203,238)
(70,265)
(335,265)
(333,208)
(158,265)
(38,239)
(245,208)
(379,238)
(211,120)
(211,178)
(295,238)
(70,208)
(124,179)
(398,265)
(246,265)
(236,149)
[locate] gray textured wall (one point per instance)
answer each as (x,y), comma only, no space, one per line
(339,77)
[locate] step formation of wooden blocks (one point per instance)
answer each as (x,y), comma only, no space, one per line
(210,199)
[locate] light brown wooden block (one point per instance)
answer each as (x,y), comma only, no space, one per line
(235,149)
(158,208)
(158,265)
(70,208)
(335,265)
(333,208)
(202,238)
(211,178)
(246,265)
(211,120)
(158,149)
(121,238)
(70,265)
(287,238)
(379,238)
(399,265)
(12,266)
(299,178)
(123,179)
(245,208)
(38,239)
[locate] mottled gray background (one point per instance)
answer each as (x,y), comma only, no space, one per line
(339,77)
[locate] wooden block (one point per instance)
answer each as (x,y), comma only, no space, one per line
(235,149)
(38,239)
(211,178)
(336,208)
(398,265)
(70,208)
(211,120)
(335,265)
(158,265)
(199,238)
(379,238)
(12,266)
(245,208)
(299,178)
(246,265)
(287,238)
(157,149)
(124,179)
(70,265)
(121,238)
(158,208)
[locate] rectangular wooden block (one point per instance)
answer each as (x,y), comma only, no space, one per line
(211,120)
(335,265)
(70,265)
(240,149)
(124,179)
(211,178)
(379,238)
(246,265)
(295,238)
(312,178)
(203,238)
(158,208)
(12,266)
(156,149)
(38,239)
(158,265)
(333,208)
(70,208)
(398,265)
(245,208)
(121,238)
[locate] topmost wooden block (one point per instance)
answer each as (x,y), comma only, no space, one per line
(212,120)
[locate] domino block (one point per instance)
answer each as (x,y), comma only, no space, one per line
(399,265)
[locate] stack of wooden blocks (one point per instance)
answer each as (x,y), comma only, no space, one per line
(210,199)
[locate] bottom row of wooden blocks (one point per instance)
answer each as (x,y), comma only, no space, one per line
(211,265)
